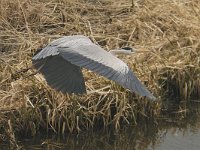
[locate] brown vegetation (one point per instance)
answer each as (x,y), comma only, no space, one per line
(168,30)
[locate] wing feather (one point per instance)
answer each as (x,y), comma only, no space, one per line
(61,74)
(59,80)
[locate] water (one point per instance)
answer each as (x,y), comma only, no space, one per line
(176,129)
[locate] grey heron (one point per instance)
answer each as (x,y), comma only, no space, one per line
(61,61)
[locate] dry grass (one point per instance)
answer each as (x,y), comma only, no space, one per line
(170,30)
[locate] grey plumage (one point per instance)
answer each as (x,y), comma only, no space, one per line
(61,61)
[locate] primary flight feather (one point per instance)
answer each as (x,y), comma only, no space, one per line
(61,61)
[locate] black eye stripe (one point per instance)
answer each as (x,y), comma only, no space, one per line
(127,48)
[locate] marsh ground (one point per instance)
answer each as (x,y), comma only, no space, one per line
(168,31)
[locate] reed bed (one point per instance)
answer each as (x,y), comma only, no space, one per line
(167,31)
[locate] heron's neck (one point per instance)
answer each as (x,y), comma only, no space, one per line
(120,52)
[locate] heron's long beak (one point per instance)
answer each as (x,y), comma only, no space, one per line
(127,52)
(141,51)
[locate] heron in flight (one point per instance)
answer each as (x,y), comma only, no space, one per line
(61,62)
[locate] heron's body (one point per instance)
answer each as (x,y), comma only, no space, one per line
(61,61)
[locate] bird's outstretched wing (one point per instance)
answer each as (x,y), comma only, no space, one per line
(81,52)
(66,41)
(61,74)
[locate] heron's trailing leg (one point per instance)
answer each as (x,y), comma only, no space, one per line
(38,70)
(23,70)
(27,69)
(17,73)
(32,74)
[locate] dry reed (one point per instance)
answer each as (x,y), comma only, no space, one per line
(169,30)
